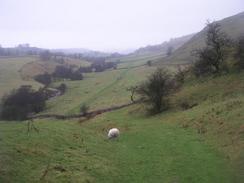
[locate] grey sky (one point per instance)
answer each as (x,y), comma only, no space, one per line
(106,24)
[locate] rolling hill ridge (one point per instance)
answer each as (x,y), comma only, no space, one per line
(233,26)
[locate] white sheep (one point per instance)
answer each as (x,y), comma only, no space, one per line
(113,133)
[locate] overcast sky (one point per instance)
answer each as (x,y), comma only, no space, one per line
(106,24)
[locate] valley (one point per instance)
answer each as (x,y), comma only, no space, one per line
(198,139)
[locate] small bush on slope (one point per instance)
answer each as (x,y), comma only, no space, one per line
(155,90)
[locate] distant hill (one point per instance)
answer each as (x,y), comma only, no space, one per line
(83,51)
(20,50)
(233,26)
(162,48)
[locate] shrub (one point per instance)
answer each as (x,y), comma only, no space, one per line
(83,109)
(155,90)
(240,53)
(21,102)
(186,105)
(203,65)
(45,79)
(76,76)
(62,88)
(67,73)
(133,90)
(180,76)
(211,58)
(62,72)
(98,67)
(149,63)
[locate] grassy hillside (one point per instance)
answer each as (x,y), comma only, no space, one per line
(152,52)
(93,90)
(31,69)
(10,73)
(233,26)
(17,71)
(202,144)
(101,89)
(135,59)
(162,48)
(98,90)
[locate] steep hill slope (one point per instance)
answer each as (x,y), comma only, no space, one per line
(233,26)
(162,48)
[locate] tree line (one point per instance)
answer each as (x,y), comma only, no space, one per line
(98,67)
(69,72)
(21,103)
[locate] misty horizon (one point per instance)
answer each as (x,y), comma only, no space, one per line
(106,26)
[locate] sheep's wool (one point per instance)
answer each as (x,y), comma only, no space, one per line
(113,133)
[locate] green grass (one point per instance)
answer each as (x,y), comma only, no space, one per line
(137,60)
(77,62)
(10,76)
(98,90)
(149,150)
(198,145)
(218,115)
(31,69)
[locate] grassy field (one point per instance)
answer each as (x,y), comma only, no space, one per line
(136,59)
(171,147)
(149,150)
(31,69)
(102,89)
(201,144)
(98,90)
(17,71)
(10,75)
(97,87)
